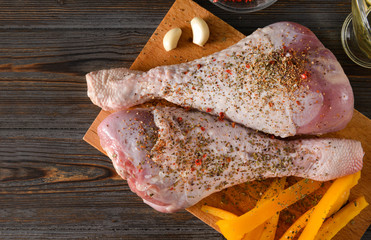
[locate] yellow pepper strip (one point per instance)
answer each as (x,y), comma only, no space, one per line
(339,203)
(333,225)
(223,214)
(270,226)
(276,186)
(321,210)
(302,221)
(217,212)
(237,227)
(255,233)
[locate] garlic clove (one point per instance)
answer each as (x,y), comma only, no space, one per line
(200,31)
(171,38)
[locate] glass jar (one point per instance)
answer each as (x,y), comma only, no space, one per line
(243,6)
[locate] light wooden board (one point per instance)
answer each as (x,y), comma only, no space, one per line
(240,198)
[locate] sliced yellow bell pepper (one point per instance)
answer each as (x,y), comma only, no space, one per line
(339,203)
(333,225)
(254,234)
(217,212)
(302,221)
(237,227)
(299,224)
(276,186)
(321,210)
(270,226)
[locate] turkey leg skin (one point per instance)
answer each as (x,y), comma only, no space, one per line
(173,158)
(280,80)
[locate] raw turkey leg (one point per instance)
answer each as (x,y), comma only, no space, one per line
(280,80)
(172,158)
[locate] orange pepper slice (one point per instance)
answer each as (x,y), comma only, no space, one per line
(234,229)
(333,225)
(321,210)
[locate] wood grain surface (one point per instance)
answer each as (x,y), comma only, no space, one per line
(53,185)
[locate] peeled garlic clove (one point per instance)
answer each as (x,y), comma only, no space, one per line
(171,38)
(200,31)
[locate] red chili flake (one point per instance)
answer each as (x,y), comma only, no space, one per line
(193,88)
(297,102)
(180,119)
(198,162)
(204,156)
(185,72)
(270,104)
(221,116)
(303,76)
(233,124)
(272,62)
(202,129)
(214,60)
(248,65)
(192,169)
(272,137)
(187,108)
(208,110)
(172,188)
(228,71)
(198,66)
(228,159)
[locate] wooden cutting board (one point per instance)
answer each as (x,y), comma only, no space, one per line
(240,198)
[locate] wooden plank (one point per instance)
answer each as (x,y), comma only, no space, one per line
(222,36)
(128,14)
(80,14)
(71,52)
(48,192)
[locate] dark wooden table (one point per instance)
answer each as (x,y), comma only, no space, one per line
(52,183)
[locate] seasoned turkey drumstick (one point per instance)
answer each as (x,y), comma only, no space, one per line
(172,158)
(280,80)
